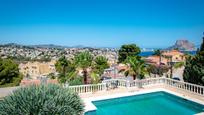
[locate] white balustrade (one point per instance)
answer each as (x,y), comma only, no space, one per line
(88,88)
(115,83)
(185,86)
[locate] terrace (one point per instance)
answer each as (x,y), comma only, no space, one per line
(108,90)
(115,88)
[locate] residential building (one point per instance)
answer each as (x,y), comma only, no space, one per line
(36,69)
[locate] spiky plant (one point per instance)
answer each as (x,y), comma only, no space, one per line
(42,100)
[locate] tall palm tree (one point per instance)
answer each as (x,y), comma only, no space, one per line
(66,68)
(100,64)
(62,64)
(84,61)
(136,67)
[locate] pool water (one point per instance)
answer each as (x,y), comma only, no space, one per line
(157,103)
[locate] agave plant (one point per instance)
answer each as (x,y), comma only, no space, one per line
(42,100)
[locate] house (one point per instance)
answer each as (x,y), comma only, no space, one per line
(156,60)
(114,71)
(166,58)
(36,69)
(173,56)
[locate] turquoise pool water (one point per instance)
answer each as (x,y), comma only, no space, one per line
(158,103)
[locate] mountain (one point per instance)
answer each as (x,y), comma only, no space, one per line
(49,46)
(40,46)
(15,45)
(183,45)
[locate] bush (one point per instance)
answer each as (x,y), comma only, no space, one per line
(194,69)
(9,73)
(76,81)
(157,70)
(42,100)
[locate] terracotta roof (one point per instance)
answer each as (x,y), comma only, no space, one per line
(29,82)
(156,59)
(172,53)
(36,82)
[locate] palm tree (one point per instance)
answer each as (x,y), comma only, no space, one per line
(158,53)
(84,60)
(62,64)
(66,69)
(95,78)
(136,67)
(100,64)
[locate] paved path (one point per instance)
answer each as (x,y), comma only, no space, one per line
(6,91)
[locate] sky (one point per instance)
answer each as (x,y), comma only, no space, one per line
(101,23)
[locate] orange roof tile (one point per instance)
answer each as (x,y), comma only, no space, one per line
(172,53)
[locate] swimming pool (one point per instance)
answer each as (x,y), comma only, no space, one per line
(156,103)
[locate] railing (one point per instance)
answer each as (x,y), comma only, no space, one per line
(115,83)
(196,89)
(146,82)
(88,88)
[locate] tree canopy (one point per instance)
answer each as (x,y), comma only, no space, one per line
(66,69)
(127,50)
(62,65)
(9,73)
(157,52)
(100,64)
(194,67)
(84,60)
(157,70)
(136,67)
(69,69)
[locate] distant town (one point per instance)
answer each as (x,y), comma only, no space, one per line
(37,61)
(101,57)
(52,52)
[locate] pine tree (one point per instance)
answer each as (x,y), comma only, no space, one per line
(194,68)
(127,51)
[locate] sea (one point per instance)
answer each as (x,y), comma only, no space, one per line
(149,53)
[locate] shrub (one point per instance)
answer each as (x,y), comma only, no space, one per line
(157,70)
(9,73)
(76,81)
(42,100)
(194,69)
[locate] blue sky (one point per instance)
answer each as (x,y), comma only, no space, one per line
(101,23)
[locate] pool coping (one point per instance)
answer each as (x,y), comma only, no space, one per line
(89,106)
